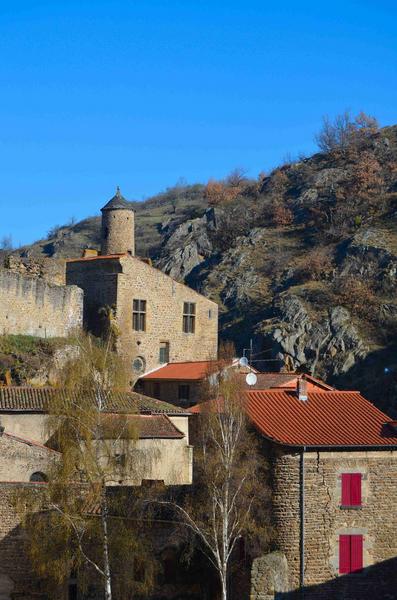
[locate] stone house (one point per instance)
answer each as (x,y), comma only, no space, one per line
(333,459)
(163,442)
(162,429)
(184,383)
(159,320)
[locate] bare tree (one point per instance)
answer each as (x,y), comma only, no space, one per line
(344,132)
(228,488)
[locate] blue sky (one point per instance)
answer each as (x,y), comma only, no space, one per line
(95,94)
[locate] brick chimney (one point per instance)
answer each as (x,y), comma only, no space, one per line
(301,389)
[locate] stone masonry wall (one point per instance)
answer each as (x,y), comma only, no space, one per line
(118,232)
(117,282)
(21,458)
(17,578)
(164,299)
(35,307)
(325,520)
(98,279)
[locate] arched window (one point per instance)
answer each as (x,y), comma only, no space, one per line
(38,477)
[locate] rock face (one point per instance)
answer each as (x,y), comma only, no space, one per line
(326,345)
(186,245)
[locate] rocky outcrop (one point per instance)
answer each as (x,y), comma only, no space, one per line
(186,245)
(323,345)
(369,255)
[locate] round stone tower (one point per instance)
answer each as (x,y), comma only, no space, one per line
(118,235)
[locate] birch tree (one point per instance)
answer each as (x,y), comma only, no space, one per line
(85,523)
(230,492)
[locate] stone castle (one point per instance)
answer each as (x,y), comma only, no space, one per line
(159,320)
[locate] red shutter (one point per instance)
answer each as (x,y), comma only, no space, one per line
(355,489)
(356,553)
(344,554)
(346,487)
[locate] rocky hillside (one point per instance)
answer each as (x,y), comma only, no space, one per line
(302,261)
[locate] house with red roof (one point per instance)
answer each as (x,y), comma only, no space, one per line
(184,383)
(333,460)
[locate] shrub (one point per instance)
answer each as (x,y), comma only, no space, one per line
(282,216)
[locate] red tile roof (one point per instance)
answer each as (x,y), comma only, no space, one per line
(326,419)
(198,370)
(267,381)
(184,371)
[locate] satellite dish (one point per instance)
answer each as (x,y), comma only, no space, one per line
(243,362)
(251,379)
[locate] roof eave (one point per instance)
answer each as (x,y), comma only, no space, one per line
(301,446)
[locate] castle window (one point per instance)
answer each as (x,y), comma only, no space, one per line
(210,314)
(139,315)
(189,317)
(184,393)
(138,364)
(164,356)
(351,489)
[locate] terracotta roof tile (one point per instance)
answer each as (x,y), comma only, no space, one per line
(328,418)
(287,380)
(198,370)
(29,399)
(185,371)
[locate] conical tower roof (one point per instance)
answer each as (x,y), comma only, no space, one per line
(118,202)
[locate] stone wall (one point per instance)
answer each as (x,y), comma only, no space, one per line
(35,307)
(269,575)
(117,282)
(97,277)
(21,458)
(118,232)
(17,581)
(325,520)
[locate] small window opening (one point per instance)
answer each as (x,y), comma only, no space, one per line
(184,393)
(189,317)
(139,315)
(164,356)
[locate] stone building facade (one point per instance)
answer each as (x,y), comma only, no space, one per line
(36,307)
(159,320)
(333,465)
(326,520)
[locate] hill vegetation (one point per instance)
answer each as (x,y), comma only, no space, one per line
(302,260)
